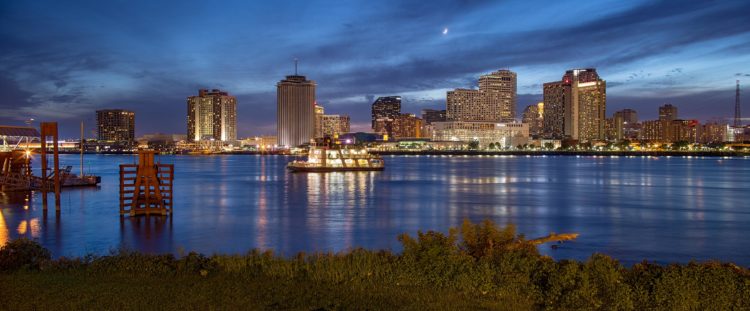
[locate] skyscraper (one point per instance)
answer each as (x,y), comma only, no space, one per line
(499,94)
(667,113)
(386,107)
(295,111)
(553,116)
(212,115)
(494,101)
(319,112)
(581,100)
(115,125)
(533,115)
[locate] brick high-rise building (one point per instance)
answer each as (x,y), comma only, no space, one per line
(115,125)
(212,115)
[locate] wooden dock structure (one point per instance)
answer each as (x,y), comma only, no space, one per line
(146,187)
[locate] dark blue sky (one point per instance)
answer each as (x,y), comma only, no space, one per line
(61,60)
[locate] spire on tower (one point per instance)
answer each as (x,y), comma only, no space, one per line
(295,66)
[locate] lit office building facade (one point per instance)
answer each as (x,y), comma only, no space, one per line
(212,115)
(295,111)
(498,91)
(580,98)
(504,134)
(533,115)
(494,101)
(333,125)
(115,125)
(433,115)
(667,113)
(319,112)
(385,107)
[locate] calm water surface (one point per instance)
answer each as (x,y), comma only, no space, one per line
(664,209)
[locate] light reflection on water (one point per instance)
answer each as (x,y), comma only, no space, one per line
(663,209)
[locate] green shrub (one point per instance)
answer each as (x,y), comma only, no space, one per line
(22,254)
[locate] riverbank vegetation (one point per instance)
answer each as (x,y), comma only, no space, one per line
(475,266)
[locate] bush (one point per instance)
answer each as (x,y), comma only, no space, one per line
(23,254)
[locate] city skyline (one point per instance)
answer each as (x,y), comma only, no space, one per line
(62,70)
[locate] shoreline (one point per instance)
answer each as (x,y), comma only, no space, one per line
(735,154)
(474,266)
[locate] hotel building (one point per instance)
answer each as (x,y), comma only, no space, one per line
(212,115)
(116,125)
(575,106)
(494,101)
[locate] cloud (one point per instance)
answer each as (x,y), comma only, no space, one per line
(66,67)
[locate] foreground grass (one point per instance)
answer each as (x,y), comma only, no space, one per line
(477,266)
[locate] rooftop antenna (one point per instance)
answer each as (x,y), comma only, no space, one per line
(737,117)
(295,65)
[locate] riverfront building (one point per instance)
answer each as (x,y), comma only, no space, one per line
(533,115)
(504,134)
(295,111)
(667,113)
(116,125)
(333,125)
(386,107)
(494,101)
(319,112)
(212,115)
(433,115)
(404,125)
(575,106)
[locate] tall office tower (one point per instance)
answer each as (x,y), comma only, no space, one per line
(667,113)
(115,125)
(499,95)
(295,110)
(554,110)
(433,115)
(319,112)
(533,115)
(466,105)
(581,97)
(212,115)
(333,124)
(737,114)
(386,107)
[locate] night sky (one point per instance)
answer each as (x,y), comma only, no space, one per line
(62,60)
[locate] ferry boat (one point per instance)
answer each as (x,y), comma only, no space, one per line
(322,159)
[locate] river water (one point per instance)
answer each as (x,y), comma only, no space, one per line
(665,209)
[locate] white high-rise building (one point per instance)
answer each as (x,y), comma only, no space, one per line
(295,111)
